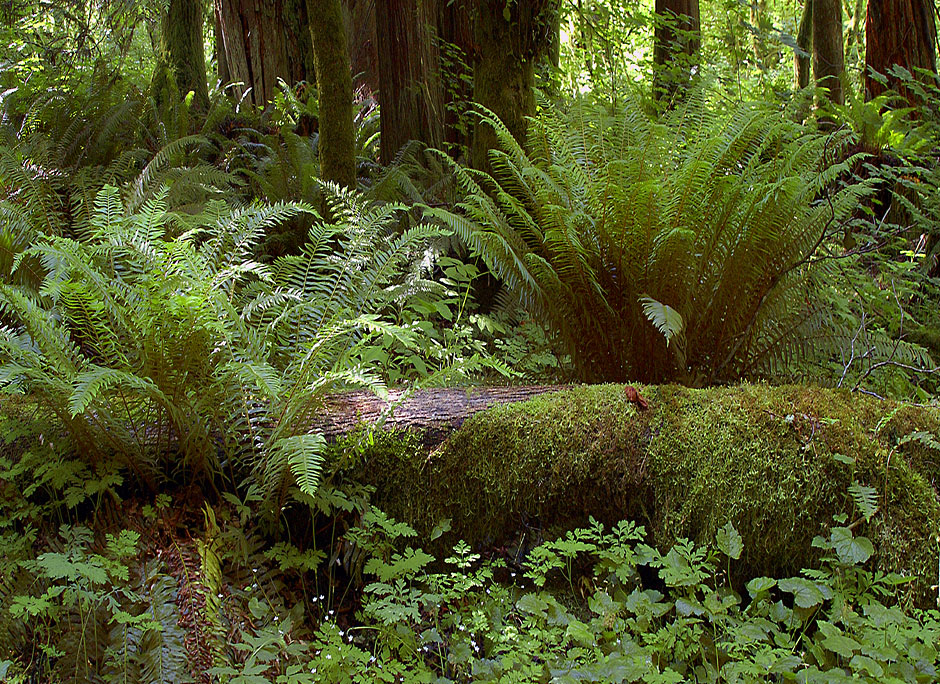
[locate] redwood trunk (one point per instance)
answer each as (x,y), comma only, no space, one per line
(409,74)
(263,41)
(456,32)
(898,33)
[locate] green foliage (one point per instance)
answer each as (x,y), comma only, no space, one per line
(686,618)
(174,353)
(611,217)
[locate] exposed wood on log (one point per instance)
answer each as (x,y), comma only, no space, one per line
(434,412)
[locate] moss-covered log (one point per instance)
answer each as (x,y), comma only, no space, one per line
(770,460)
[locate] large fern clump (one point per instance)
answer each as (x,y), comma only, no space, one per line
(657,250)
(183,355)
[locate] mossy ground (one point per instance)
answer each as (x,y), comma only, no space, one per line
(761,457)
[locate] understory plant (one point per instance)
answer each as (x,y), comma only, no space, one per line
(185,356)
(600,605)
(676,249)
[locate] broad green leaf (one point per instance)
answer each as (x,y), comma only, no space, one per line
(729,541)
(759,585)
(851,550)
(805,593)
(842,645)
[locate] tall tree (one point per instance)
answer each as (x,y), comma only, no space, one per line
(804,44)
(263,41)
(676,46)
(902,33)
(509,37)
(184,50)
(828,59)
(409,74)
(337,140)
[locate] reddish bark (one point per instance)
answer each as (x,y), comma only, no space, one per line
(263,41)
(409,74)
(902,33)
(435,412)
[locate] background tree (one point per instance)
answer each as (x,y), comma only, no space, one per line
(409,74)
(337,140)
(828,58)
(509,39)
(676,46)
(898,33)
(804,45)
(184,49)
(263,41)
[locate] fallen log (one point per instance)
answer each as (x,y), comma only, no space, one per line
(777,462)
(434,413)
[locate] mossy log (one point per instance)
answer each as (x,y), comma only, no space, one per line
(768,459)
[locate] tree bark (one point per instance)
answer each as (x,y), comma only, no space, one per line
(221,63)
(510,38)
(409,74)
(337,142)
(184,49)
(828,61)
(902,33)
(804,43)
(676,47)
(433,412)
(263,41)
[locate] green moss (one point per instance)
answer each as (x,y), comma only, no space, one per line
(763,458)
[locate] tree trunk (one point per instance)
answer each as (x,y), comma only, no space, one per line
(221,63)
(263,41)
(510,38)
(676,47)
(362,41)
(902,33)
(337,141)
(409,74)
(456,46)
(185,52)
(828,63)
(804,43)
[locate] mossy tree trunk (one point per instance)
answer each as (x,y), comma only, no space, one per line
(675,47)
(804,44)
(263,41)
(898,33)
(828,59)
(510,38)
(337,141)
(185,51)
(409,74)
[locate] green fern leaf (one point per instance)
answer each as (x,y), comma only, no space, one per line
(664,318)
